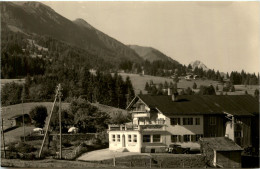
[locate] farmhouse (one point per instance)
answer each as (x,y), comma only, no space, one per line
(18,120)
(221,152)
(158,121)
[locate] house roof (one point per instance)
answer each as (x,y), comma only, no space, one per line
(221,144)
(17,116)
(240,105)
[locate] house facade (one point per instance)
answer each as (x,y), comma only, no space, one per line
(158,121)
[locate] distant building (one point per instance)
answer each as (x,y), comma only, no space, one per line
(158,121)
(17,120)
(221,152)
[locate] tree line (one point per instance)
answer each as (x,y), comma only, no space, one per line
(100,87)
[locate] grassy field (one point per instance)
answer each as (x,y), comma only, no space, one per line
(14,135)
(19,81)
(139,81)
(48,163)
(140,161)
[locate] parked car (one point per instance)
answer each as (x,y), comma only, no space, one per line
(177,149)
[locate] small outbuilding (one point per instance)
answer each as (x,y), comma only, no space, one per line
(221,152)
(17,120)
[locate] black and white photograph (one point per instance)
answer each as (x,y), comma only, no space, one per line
(130,84)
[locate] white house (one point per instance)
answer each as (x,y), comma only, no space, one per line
(158,121)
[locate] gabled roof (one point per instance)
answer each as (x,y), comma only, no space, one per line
(221,144)
(240,105)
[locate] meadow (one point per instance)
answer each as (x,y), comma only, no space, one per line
(139,81)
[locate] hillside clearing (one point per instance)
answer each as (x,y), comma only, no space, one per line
(139,81)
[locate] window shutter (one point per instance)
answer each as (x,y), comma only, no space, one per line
(193,138)
(180,138)
(179,121)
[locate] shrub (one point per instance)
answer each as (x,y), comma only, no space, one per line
(24,148)
(46,153)
(54,145)
(66,143)
(28,156)
(39,114)
(12,147)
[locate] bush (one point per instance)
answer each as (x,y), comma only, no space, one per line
(39,114)
(12,147)
(46,153)
(24,148)
(27,156)
(66,143)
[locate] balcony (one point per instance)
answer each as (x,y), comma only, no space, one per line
(139,109)
(153,127)
(141,114)
(134,127)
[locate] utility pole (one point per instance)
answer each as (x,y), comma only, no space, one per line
(3,137)
(23,122)
(60,94)
(58,89)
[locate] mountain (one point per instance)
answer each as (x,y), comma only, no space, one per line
(198,64)
(150,54)
(36,18)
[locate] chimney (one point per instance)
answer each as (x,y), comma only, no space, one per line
(169,91)
(175,96)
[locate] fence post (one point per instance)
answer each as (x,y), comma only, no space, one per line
(151,162)
(114,161)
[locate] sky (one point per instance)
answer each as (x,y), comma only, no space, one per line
(223,35)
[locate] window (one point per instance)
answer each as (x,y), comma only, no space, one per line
(135,138)
(198,136)
(186,138)
(175,121)
(212,120)
(129,138)
(156,138)
(146,138)
(187,121)
(238,134)
(193,138)
(174,138)
(113,138)
(197,121)
(160,121)
(118,138)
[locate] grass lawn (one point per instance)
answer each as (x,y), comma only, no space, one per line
(48,163)
(14,135)
(139,81)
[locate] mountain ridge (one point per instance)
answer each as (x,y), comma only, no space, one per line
(37,18)
(151,54)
